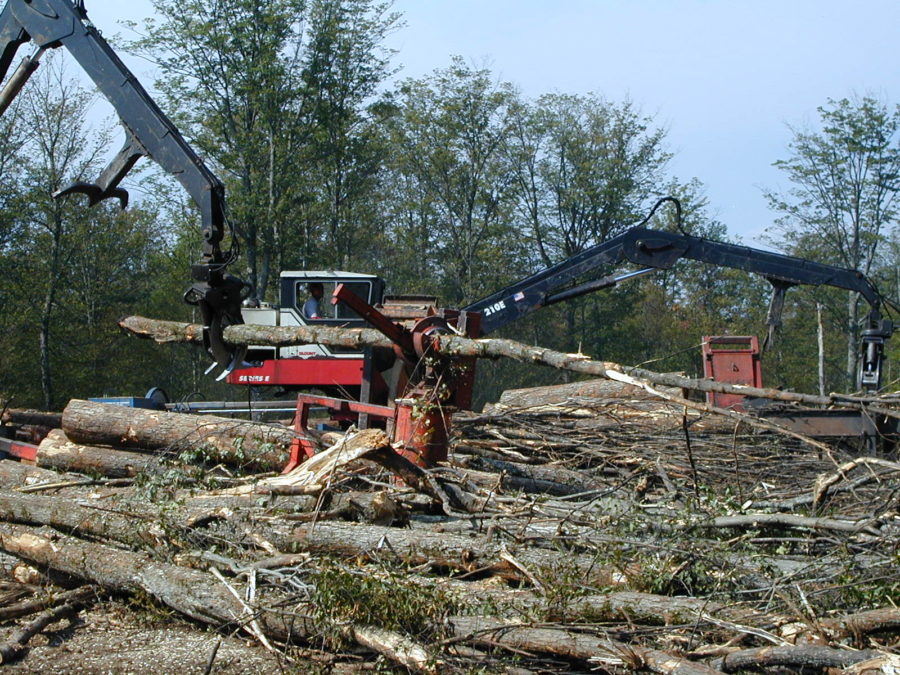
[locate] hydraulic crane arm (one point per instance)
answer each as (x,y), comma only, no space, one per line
(653,249)
(148,133)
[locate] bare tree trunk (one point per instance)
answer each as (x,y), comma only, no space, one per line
(47,310)
(820,333)
(852,339)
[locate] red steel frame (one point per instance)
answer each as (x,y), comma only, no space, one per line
(19,450)
(731,359)
(302,447)
(312,372)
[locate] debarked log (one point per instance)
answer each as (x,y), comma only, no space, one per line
(250,445)
(58,452)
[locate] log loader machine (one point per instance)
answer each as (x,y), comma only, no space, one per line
(49,24)
(408,376)
(318,366)
(415,387)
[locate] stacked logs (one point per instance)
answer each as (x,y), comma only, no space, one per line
(119,442)
(550,542)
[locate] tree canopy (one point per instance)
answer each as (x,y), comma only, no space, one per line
(452,184)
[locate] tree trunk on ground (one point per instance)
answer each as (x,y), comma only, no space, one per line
(445,550)
(798,656)
(58,452)
(531,478)
(14,475)
(573,392)
(492,632)
(248,444)
(66,605)
(194,593)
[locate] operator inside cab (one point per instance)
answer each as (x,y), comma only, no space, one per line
(311,306)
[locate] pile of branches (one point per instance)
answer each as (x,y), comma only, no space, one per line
(552,541)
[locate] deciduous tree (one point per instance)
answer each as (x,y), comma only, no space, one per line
(842,201)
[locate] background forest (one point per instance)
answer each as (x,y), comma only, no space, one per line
(453,184)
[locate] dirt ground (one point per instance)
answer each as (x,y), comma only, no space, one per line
(117,640)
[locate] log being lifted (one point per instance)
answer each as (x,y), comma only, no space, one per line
(251,445)
(452,345)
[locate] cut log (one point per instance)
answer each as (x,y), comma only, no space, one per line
(573,394)
(491,348)
(37,418)
(554,480)
(71,516)
(43,602)
(251,445)
(58,452)
(883,620)
(16,475)
(196,594)
(200,595)
(451,551)
(65,605)
(797,656)
(491,632)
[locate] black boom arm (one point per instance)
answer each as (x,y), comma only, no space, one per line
(148,133)
(654,249)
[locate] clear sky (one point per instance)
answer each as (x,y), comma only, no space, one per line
(724,77)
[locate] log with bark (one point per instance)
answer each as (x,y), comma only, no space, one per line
(38,418)
(194,593)
(491,348)
(65,605)
(571,644)
(572,393)
(58,452)
(251,445)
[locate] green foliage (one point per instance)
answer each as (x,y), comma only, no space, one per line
(450,175)
(841,206)
(344,597)
(452,184)
(275,93)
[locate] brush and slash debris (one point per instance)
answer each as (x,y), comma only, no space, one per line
(592,527)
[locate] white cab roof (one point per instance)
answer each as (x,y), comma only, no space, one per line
(325,274)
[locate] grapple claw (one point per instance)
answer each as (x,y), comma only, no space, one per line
(220,307)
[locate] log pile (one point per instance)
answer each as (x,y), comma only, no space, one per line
(578,529)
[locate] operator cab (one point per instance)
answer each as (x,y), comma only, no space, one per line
(294,294)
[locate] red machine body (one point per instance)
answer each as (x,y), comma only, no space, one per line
(732,359)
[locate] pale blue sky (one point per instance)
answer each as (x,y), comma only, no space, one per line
(724,77)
